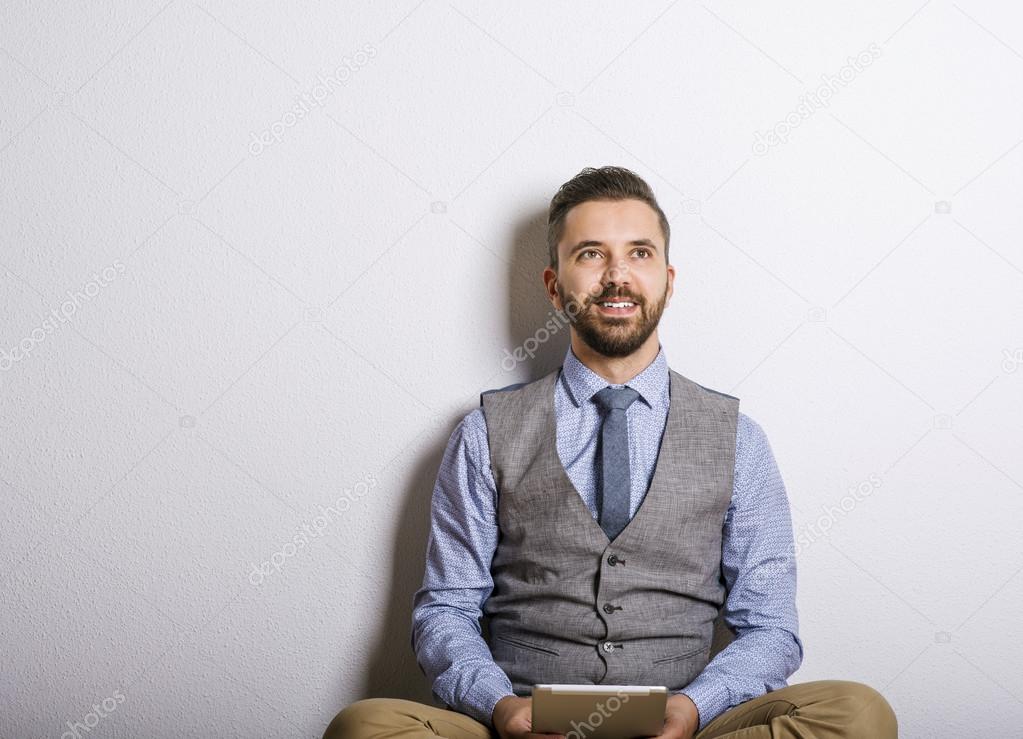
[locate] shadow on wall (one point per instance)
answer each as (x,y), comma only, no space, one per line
(534,334)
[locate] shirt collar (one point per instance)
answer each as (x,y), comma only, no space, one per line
(582,382)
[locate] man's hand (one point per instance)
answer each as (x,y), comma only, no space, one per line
(513,719)
(681,718)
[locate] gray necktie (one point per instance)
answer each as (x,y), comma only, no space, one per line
(616,477)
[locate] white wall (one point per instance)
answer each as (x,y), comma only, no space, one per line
(207,337)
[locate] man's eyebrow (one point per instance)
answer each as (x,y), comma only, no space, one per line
(591,242)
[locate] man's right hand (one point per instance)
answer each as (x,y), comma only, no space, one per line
(513,719)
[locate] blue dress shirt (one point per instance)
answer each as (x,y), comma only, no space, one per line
(757,552)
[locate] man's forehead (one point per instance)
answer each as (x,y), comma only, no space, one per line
(611,220)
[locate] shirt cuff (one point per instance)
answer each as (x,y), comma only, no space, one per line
(481,699)
(710,696)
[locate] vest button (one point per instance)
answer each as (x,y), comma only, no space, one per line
(607,646)
(608,608)
(612,559)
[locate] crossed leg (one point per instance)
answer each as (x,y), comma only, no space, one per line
(820,709)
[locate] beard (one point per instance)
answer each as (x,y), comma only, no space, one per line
(613,336)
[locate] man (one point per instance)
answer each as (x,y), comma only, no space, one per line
(602,517)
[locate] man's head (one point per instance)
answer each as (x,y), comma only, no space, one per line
(607,240)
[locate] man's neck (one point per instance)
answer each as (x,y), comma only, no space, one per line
(617,370)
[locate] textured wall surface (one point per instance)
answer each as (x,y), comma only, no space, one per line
(258,259)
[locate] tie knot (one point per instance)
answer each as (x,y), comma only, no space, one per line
(615,398)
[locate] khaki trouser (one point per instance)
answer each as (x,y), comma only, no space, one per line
(821,709)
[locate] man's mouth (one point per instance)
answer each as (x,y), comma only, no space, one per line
(617,307)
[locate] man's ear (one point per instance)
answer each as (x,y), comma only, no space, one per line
(550,282)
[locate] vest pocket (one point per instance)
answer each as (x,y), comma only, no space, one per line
(526,645)
(674,657)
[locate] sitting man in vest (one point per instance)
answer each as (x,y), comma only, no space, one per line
(604,518)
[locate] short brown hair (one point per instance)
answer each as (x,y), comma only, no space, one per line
(604,183)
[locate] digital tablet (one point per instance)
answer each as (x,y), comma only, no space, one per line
(599,711)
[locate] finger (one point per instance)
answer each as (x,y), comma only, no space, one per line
(671,730)
(527,734)
(669,733)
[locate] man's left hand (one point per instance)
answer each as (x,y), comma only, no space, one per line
(681,718)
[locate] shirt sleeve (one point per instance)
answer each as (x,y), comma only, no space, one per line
(446,634)
(759,567)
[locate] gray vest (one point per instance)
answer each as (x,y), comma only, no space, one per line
(570,606)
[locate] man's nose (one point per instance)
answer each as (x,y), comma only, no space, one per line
(616,272)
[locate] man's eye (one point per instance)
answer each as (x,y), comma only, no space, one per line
(590,251)
(646,252)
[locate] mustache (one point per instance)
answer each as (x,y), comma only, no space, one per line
(617,298)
